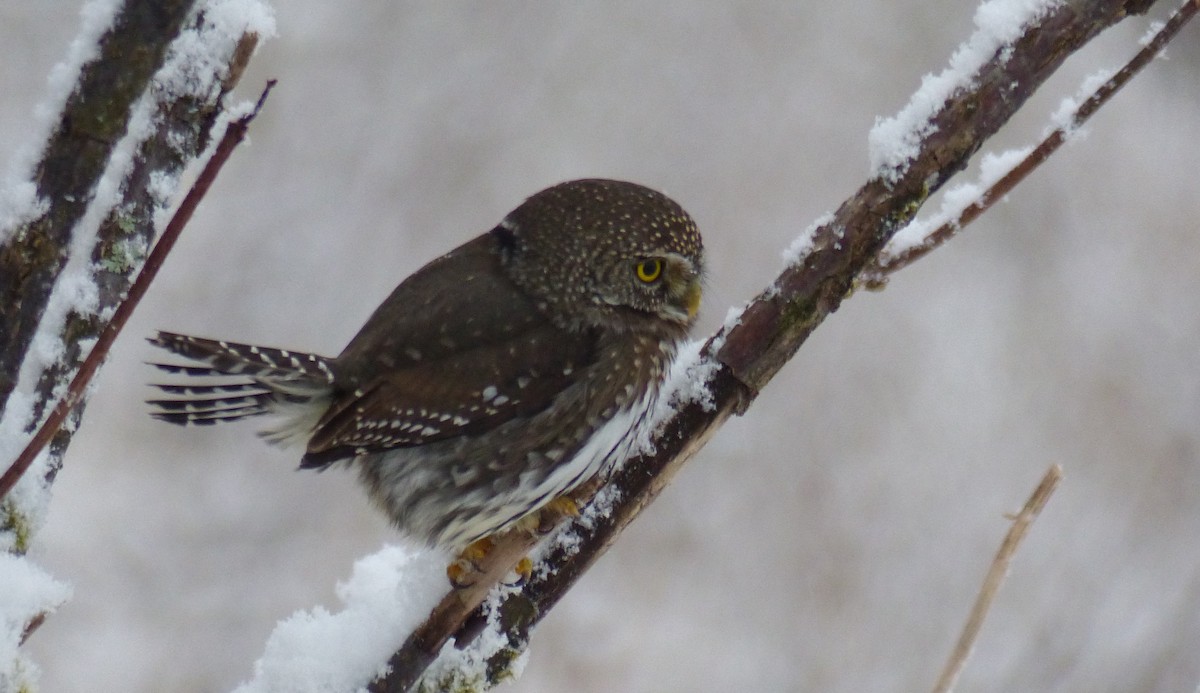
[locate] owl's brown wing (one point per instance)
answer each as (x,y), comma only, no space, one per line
(459,302)
(462,351)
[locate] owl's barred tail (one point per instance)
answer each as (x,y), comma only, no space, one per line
(230,358)
(275,381)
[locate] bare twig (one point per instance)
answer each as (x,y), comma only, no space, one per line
(995,577)
(234,134)
(875,277)
(741,359)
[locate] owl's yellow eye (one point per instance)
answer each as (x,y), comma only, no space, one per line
(649,270)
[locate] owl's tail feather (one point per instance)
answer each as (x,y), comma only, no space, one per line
(294,386)
(231,358)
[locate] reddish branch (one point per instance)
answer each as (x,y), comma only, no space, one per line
(770,331)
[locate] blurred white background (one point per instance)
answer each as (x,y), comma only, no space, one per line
(832,539)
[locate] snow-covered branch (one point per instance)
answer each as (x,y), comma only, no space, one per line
(144,95)
(1000,173)
(1017,46)
(92,122)
(85,232)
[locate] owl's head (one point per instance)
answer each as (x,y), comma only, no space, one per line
(606,253)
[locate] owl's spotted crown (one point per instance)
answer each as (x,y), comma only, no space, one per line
(621,214)
(581,242)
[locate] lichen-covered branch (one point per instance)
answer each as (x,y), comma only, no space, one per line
(93,120)
(741,358)
(144,109)
(165,126)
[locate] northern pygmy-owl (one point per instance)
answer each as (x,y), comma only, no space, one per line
(495,379)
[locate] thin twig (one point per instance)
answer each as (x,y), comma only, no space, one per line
(234,134)
(995,577)
(876,277)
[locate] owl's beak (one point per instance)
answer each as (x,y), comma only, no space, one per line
(693,298)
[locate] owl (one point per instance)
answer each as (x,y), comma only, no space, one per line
(494,380)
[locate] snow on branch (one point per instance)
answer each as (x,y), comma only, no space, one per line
(1017,46)
(147,98)
(141,110)
(896,141)
(92,122)
(1000,173)
(28,594)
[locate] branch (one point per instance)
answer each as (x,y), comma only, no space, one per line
(741,358)
(94,119)
(164,127)
(995,576)
(51,427)
(893,259)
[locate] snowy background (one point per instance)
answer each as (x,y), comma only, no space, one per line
(834,538)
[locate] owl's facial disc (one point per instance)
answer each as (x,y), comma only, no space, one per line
(665,285)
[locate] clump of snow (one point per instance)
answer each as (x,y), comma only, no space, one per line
(1152,30)
(601,505)
(803,245)
(387,596)
(1063,117)
(25,592)
(200,55)
(895,141)
(992,167)
(687,381)
(466,669)
(19,204)
(733,318)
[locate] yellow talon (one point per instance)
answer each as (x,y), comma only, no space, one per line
(465,570)
(457,574)
(461,570)
(524,569)
(477,549)
(564,506)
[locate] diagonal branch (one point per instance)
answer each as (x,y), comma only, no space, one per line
(150,135)
(95,118)
(995,576)
(741,358)
(891,260)
(234,134)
